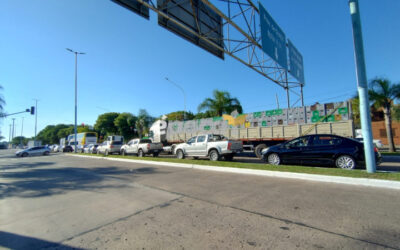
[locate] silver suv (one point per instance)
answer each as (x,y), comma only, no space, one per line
(109,147)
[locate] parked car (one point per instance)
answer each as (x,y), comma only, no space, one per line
(141,147)
(42,150)
(93,148)
(211,145)
(321,149)
(68,148)
(109,147)
(377,143)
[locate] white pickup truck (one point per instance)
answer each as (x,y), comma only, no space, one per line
(141,147)
(213,146)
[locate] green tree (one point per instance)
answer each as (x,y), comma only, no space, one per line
(179,116)
(383,94)
(221,103)
(105,123)
(202,115)
(18,140)
(125,123)
(143,122)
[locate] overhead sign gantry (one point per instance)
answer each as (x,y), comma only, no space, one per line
(235,28)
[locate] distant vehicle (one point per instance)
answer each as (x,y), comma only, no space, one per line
(322,149)
(83,139)
(112,145)
(377,143)
(41,150)
(211,145)
(67,148)
(84,148)
(93,148)
(141,147)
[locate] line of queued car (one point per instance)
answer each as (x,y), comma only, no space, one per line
(319,150)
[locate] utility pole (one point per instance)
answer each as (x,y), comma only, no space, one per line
(76,93)
(9,136)
(22,131)
(362,87)
(34,141)
(22,126)
(12,134)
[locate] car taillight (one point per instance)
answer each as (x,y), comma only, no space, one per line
(375,149)
(148,146)
(229,145)
(111,146)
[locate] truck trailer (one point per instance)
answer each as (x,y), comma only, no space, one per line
(259,130)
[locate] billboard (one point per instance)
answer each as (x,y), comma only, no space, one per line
(273,39)
(134,6)
(295,62)
(196,16)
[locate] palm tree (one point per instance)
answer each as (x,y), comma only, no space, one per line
(383,94)
(221,103)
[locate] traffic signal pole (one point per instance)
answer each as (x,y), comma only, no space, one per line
(362,87)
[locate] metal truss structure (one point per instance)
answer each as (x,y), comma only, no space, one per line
(242,38)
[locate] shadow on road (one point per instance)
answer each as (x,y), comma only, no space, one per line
(39,182)
(16,241)
(26,165)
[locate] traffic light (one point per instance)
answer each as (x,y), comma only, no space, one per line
(32,110)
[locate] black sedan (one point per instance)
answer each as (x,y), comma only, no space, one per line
(322,149)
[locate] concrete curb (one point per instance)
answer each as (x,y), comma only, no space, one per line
(301,176)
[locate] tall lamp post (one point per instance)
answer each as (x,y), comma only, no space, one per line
(184,95)
(362,87)
(76,92)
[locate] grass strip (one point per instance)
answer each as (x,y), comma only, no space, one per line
(356,173)
(390,153)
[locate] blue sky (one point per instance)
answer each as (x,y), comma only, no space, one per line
(128,58)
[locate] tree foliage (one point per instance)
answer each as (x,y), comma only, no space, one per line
(19,139)
(383,95)
(143,122)
(180,116)
(220,103)
(105,123)
(125,123)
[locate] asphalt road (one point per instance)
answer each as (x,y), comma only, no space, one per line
(64,202)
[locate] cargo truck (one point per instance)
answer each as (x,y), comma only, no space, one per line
(259,130)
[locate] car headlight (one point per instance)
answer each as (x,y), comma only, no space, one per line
(264,150)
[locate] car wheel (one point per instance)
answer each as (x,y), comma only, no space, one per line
(214,156)
(258,150)
(273,159)
(345,162)
(140,153)
(24,154)
(180,154)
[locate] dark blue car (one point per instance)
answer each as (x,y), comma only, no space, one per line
(321,149)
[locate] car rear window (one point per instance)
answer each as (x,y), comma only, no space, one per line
(326,140)
(116,143)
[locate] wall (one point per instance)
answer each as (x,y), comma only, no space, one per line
(379,132)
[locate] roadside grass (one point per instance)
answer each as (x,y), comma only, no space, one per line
(390,153)
(357,173)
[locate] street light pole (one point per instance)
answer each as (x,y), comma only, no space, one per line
(184,95)
(34,141)
(362,87)
(76,93)
(13,127)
